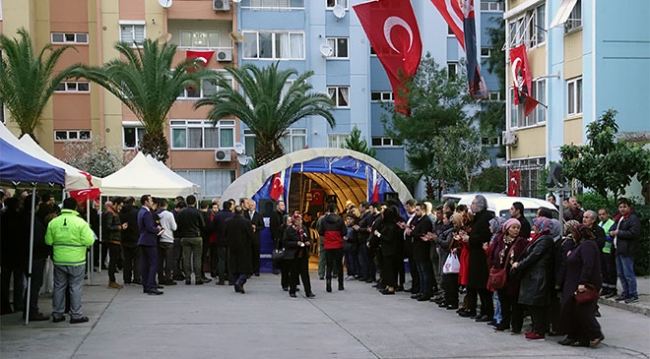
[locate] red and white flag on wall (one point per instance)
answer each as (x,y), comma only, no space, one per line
(522,79)
(277,186)
(514,178)
(202,57)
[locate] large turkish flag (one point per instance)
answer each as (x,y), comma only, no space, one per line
(393,33)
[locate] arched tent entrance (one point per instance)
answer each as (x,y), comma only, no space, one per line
(308,178)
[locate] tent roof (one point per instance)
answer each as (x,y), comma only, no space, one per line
(74,179)
(352,188)
(145,175)
(17,167)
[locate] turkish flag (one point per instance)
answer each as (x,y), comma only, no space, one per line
(521,77)
(317,197)
(375,186)
(514,177)
(85,194)
(393,33)
(453,15)
(201,57)
(277,186)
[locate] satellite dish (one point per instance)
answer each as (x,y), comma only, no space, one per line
(339,11)
(239,148)
(165,37)
(236,37)
(326,50)
(236,1)
(165,3)
(243,159)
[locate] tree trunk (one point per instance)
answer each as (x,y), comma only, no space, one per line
(267,152)
(155,144)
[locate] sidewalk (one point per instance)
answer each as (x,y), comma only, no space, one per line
(642,306)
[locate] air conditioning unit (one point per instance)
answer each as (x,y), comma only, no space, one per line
(222,155)
(224,55)
(220,5)
(510,138)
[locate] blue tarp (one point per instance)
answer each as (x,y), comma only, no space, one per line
(18,167)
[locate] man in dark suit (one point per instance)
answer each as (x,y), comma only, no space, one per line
(257,223)
(239,232)
(148,242)
(131,251)
(218,223)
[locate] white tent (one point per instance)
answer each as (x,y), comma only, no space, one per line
(74,179)
(145,175)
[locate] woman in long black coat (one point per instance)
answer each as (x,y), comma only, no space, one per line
(296,254)
(535,269)
(582,271)
(390,240)
(239,232)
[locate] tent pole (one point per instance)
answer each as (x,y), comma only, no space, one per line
(31,256)
(92,252)
(99,269)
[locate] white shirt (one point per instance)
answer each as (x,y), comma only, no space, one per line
(168,222)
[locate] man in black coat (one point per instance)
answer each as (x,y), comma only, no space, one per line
(626,232)
(190,224)
(239,232)
(278,226)
(590,220)
(218,223)
(517,211)
(420,226)
(130,248)
(257,223)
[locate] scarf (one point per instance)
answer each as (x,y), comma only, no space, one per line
(619,216)
(543,226)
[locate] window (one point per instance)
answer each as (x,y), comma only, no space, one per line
(372,52)
(295,139)
(132,33)
(73,87)
(385,142)
(273,4)
(574,21)
(381,96)
(206,89)
(212,182)
(337,141)
(452,70)
(198,134)
(274,45)
(495,96)
(69,38)
(331,3)
(574,96)
(450,32)
(491,6)
(339,46)
(250,142)
(485,52)
(491,141)
(340,95)
(132,136)
(531,170)
(200,39)
(517,113)
(72,135)
(530,29)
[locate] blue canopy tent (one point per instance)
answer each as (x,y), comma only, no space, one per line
(20,170)
(343,174)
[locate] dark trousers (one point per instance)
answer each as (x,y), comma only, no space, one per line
(149,267)
(362,259)
(538,316)
(165,261)
(255,254)
(391,268)
(222,264)
(379,264)
(608,269)
(214,259)
(132,263)
(178,259)
(333,258)
(512,314)
(487,305)
(38,265)
(285,273)
(582,324)
(372,268)
(351,260)
(299,267)
(205,251)
(450,285)
(553,314)
(7,272)
(115,252)
(425,271)
(240,278)
(415,276)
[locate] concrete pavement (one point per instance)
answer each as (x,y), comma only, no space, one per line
(209,320)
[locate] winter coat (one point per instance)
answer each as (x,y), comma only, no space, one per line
(390,240)
(629,232)
(497,262)
(290,242)
(111,227)
(218,223)
(333,230)
(583,267)
(129,214)
(421,249)
(478,268)
(535,269)
(239,232)
(69,235)
(445,242)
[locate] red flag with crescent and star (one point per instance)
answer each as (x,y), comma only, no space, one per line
(393,33)
(202,57)
(277,186)
(522,79)
(514,178)
(83,195)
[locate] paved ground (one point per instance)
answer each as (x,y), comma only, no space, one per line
(201,321)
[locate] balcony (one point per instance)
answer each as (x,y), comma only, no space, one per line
(197,10)
(203,35)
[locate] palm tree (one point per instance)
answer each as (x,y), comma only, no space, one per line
(266,106)
(145,81)
(28,81)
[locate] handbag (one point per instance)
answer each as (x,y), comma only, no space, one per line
(452,264)
(499,277)
(277,254)
(588,296)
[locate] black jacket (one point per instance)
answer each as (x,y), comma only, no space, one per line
(421,249)
(189,223)
(258,221)
(390,240)
(277,225)
(239,232)
(129,214)
(218,223)
(291,241)
(535,269)
(480,234)
(525,227)
(111,227)
(629,232)
(364,223)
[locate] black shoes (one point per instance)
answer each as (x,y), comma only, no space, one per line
(198,282)
(424,298)
(467,313)
(387,292)
(188,282)
(566,341)
(452,306)
(58,319)
(170,282)
(239,288)
(328,286)
(310,295)
(293,295)
(341,287)
(155,292)
(257,274)
(483,319)
(79,320)
(206,280)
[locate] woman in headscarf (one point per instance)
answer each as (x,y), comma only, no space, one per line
(296,253)
(583,271)
(506,248)
(535,269)
(389,238)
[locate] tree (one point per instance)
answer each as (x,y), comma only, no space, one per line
(605,164)
(267,105)
(144,79)
(441,142)
(356,143)
(27,80)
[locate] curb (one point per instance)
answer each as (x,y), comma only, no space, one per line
(639,307)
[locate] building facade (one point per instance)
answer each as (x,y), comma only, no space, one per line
(585,57)
(291,32)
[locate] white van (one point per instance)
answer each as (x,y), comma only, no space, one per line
(500,204)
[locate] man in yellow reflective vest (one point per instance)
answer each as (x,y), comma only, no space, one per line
(608,257)
(69,235)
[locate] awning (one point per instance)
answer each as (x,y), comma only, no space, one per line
(563,13)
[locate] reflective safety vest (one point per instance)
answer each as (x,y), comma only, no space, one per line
(608,239)
(69,236)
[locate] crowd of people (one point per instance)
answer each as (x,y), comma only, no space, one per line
(511,267)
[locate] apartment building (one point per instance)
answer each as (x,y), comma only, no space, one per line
(585,56)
